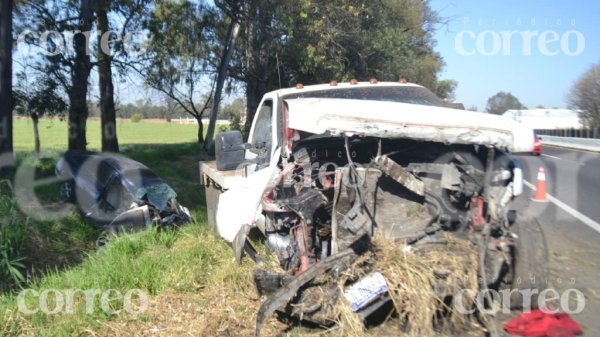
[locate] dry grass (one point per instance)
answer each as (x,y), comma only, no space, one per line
(15,325)
(225,305)
(413,280)
(209,313)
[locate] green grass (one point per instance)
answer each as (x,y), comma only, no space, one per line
(154,262)
(53,134)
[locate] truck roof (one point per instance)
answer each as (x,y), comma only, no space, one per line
(340,85)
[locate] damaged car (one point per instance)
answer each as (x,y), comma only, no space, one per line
(329,168)
(118,193)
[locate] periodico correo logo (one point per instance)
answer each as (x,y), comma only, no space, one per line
(68,301)
(542,37)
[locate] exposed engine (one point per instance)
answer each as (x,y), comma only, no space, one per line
(334,190)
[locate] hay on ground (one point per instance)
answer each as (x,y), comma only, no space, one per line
(419,280)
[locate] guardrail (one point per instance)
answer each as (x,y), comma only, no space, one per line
(577,133)
(588,144)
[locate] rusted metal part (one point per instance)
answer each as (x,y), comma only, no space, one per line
(304,204)
(287,292)
(478,220)
(401,175)
(334,223)
(302,239)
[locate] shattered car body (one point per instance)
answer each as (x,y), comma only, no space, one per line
(118,193)
(327,169)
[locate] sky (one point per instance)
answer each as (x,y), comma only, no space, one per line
(534,49)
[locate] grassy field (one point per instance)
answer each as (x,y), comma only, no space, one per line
(53,133)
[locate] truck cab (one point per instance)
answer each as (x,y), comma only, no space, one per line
(396,110)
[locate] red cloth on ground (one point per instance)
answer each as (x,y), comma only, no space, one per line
(540,324)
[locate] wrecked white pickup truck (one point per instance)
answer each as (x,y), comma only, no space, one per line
(327,168)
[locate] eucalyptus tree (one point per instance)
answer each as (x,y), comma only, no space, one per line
(68,39)
(119,24)
(314,41)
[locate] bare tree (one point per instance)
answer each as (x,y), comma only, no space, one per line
(585,96)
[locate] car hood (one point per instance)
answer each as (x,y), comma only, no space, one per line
(402,120)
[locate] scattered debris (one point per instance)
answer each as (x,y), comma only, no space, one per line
(118,193)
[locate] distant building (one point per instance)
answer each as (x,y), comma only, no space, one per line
(547,119)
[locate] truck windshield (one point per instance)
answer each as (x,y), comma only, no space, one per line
(401,94)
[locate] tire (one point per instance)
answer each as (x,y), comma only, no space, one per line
(530,265)
(452,208)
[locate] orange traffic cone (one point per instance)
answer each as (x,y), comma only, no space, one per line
(540,186)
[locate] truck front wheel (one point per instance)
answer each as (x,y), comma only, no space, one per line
(530,265)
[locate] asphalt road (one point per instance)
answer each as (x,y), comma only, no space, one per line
(572,176)
(571,223)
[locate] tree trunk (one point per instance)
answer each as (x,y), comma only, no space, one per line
(36,133)
(200,130)
(78,111)
(232,34)
(252,102)
(256,88)
(6,103)
(108,117)
(257,57)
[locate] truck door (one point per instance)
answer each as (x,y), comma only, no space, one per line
(239,205)
(261,136)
